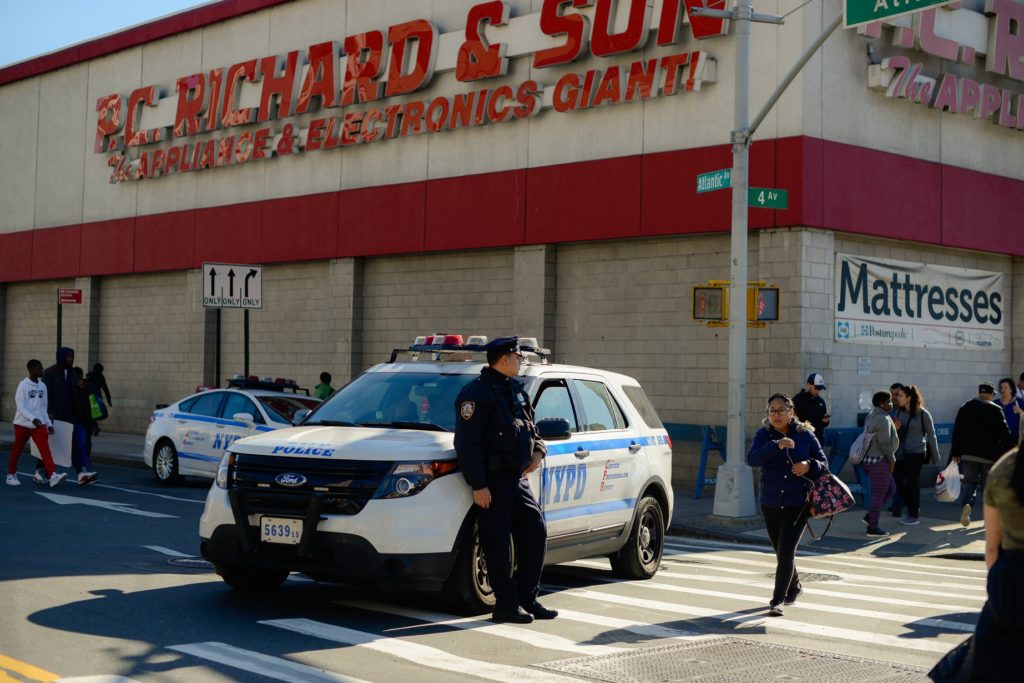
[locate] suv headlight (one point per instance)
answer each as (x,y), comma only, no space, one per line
(409,478)
(224,477)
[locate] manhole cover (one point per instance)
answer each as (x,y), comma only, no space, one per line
(811,578)
(727,659)
(190,562)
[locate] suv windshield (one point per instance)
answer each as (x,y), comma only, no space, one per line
(283,408)
(401,399)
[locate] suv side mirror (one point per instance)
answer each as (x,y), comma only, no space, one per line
(299,416)
(554,428)
(244,418)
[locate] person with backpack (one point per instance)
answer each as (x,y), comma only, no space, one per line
(918,447)
(880,458)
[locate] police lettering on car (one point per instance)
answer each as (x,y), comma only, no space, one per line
(497,444)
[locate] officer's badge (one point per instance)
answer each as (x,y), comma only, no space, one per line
(467,409)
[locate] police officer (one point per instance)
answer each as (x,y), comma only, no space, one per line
(498,445)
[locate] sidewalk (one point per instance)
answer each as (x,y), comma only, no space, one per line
(109,448)
(938,535)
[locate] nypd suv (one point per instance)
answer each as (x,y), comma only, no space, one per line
(367,487)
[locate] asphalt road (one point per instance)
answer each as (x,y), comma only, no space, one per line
(91,584)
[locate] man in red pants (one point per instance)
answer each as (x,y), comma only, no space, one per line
(32,421)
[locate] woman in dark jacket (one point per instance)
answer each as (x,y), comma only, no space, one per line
(790,458)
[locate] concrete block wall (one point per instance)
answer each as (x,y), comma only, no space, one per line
(293,335)
(458,293)
(150,344)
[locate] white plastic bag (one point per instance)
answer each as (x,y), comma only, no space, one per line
(947,484)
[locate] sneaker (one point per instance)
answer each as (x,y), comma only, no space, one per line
(39,479)
(791,598)
(907,520)
(86,478)
(875,531)
(965,515)
(12,480)
(775,610)
(56,478)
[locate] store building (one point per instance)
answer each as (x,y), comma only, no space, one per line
(408,167)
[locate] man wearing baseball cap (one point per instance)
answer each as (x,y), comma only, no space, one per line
(810,406)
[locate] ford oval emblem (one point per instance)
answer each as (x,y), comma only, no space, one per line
(290,479)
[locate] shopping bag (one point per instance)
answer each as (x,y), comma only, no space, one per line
(947,484)
(97,407)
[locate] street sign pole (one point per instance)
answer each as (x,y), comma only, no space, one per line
(734,491)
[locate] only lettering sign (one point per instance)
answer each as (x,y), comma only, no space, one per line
(860,12)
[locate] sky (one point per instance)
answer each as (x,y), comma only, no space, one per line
(29,28)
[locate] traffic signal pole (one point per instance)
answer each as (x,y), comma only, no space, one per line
(734,491)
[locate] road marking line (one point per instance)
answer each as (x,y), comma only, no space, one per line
(25,669)
(166,551)
(639,628)
(421,655)
(147,493)
(484,625)
(746,620)
(889,581)
(762,581)
(831,556)
(258,663)
(126,508)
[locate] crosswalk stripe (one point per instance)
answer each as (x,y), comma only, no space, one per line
(769,624)
(639,628)
(421,655)
(482,625)
(259,663)
(762,581)
(769,562)
(692,543)
(165,551)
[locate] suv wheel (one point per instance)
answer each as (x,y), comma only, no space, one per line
(641,556)
(165,463)
(252,580)
(468,588)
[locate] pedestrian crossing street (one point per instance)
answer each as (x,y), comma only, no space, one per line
(905,611)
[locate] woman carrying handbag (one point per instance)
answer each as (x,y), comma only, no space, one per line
(790,458)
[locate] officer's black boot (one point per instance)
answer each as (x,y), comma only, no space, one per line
(514,615)
(539,611)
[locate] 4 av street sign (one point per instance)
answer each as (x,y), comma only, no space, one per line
(860,12)
(767,198)
(232,285)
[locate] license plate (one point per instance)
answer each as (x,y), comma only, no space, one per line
(280,530)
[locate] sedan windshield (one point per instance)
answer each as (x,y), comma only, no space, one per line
(406,400)
(283,408)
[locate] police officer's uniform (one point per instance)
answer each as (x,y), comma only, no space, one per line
(495,437)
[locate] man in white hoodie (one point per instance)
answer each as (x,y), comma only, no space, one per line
(32,421)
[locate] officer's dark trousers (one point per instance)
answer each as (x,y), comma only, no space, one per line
(513,512)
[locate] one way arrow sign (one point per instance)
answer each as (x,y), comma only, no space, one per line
(220,289)
(61,499)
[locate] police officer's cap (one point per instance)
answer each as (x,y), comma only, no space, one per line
(502,345)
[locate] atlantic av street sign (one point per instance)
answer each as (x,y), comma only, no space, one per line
(861,12)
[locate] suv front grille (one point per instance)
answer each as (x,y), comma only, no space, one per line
(344,486)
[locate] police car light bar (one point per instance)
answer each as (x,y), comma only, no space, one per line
(448,344)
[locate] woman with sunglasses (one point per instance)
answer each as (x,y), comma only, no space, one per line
(790,459)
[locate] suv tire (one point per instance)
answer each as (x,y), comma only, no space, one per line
(468,588)
(641,556)
(252,580)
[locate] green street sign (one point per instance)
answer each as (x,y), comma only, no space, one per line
(767,198)
(715,180)
(861,12)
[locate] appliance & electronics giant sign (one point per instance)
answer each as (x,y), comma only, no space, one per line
(959,37)
(899,303)
(363,72)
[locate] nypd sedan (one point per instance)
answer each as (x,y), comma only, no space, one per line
(368,488)
(189,437)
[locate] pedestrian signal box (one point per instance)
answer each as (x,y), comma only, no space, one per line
(711,303)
